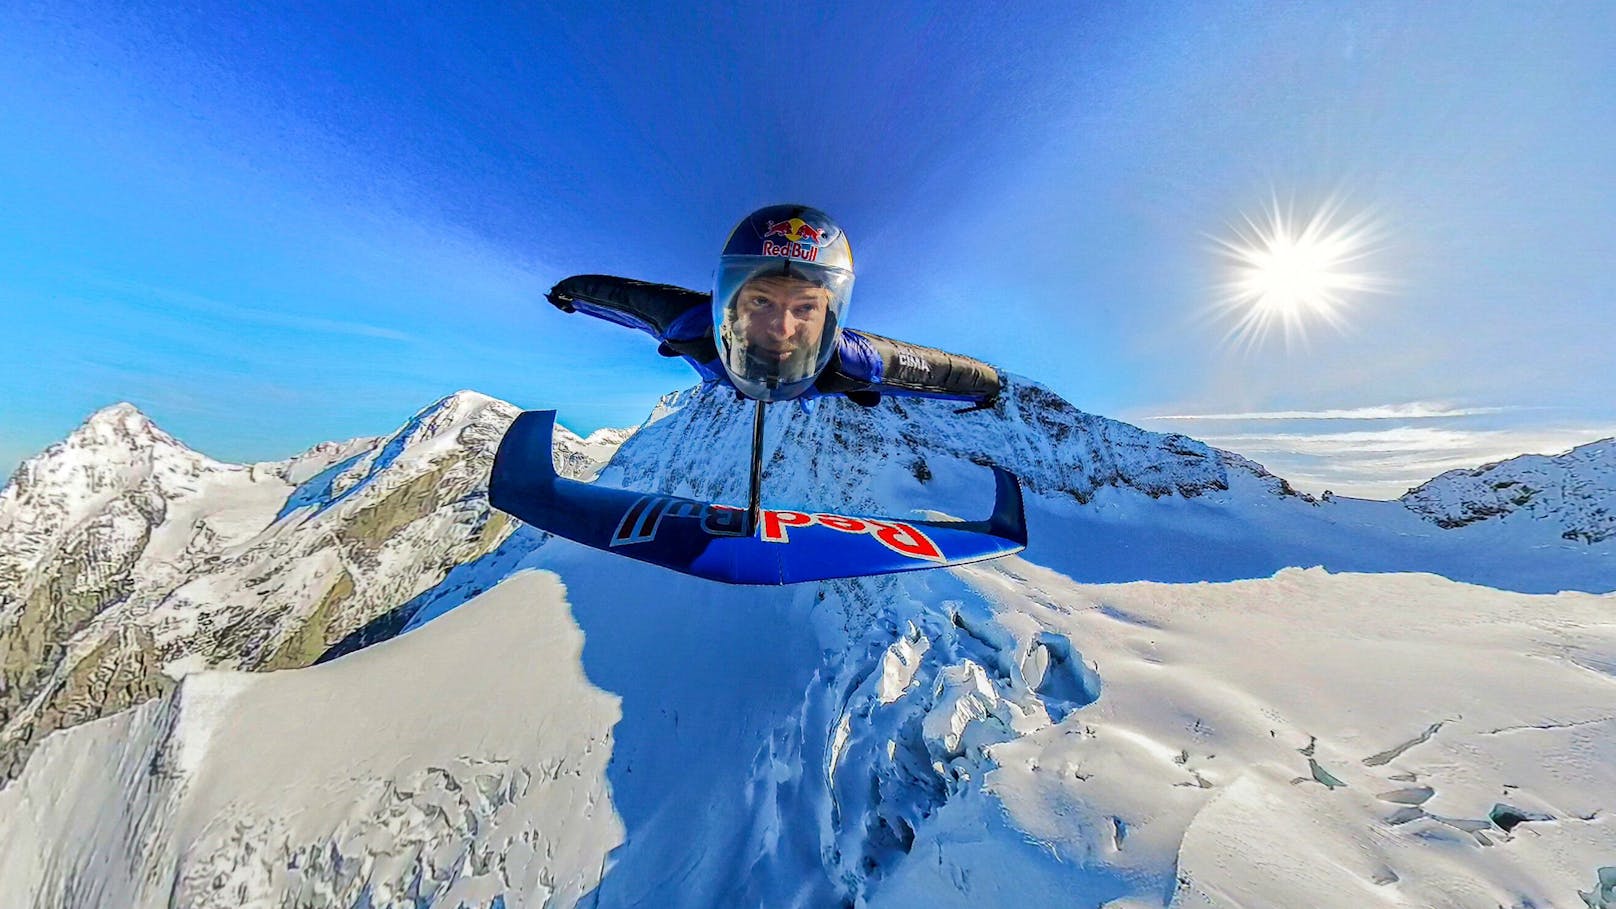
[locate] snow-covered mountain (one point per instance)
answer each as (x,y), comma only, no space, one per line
(1575,492)
(127,559)
(1106,501)
(559,726)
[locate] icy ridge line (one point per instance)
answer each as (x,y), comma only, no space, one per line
(127,559)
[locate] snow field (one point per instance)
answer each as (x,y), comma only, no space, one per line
(1271,733)
(459,766)
(996,735)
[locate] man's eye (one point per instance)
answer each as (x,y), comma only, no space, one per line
(803,312)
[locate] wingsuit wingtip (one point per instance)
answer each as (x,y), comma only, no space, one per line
(1009,518)
(523,459)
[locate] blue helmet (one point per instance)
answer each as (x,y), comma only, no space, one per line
(779,298)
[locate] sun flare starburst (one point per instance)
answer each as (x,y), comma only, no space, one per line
(1286,271)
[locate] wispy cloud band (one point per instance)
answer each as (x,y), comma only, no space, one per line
(132,293)
(1385,463)
(1413,410)
(1373,459)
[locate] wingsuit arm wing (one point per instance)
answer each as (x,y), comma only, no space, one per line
(865,366)
(678,317)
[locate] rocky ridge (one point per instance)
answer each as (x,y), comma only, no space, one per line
(1575,490)
(128,560)
(1053,447)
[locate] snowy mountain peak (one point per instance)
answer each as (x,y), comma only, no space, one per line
(122,425)
(465,422)
(463,401)
(117,449)
(843,456)
(111,479)
(452,413)
(1575,490)
(119,412)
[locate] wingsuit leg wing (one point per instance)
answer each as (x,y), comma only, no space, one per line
(710,540)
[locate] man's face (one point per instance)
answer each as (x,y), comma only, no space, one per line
(781,317)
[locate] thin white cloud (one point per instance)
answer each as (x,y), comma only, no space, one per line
(1403,439)
(1386,463)
(238,312)
(1413,410)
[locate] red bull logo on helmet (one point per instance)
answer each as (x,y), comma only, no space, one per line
(801,239)
(791,251)
(797,231)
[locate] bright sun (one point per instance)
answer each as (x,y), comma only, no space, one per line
(1285,271)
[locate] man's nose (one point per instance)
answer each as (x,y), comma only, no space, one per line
(782,325)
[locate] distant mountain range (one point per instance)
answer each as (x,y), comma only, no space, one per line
(127,559)
(125,554)
(129,562)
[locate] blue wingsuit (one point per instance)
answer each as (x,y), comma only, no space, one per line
(864,367)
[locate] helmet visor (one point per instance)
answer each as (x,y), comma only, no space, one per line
(775,322)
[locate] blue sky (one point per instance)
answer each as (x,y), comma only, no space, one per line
(272,227)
